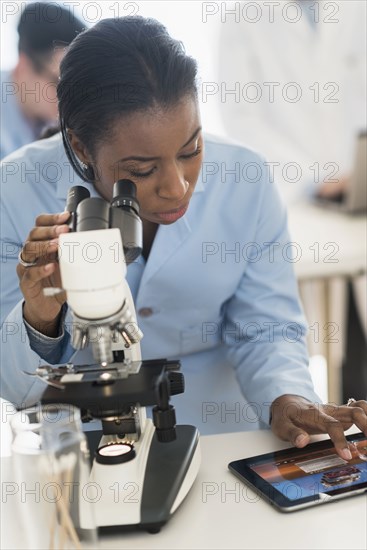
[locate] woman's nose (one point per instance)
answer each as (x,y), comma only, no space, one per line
(173,187)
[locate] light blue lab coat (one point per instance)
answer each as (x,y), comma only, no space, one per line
(219,283)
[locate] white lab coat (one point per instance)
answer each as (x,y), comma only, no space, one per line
(313,120)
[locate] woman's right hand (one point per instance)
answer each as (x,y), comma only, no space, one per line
(41,247)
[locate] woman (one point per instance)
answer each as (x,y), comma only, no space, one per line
(215,284)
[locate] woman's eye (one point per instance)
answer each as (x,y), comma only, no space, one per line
(136,174)
(194,154)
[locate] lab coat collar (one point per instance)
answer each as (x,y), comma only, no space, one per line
(167,242)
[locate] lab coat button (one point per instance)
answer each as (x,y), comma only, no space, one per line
(145,312)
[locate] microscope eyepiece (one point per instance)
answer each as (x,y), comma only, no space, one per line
(124,187)
(75,196)
(124,195)
(93,214)
(125,216)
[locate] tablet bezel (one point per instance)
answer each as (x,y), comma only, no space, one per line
(241,468)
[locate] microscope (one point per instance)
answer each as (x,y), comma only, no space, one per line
(144,466)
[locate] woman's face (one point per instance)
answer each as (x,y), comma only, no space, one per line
(161,152)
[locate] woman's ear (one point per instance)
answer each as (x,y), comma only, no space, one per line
(79,148)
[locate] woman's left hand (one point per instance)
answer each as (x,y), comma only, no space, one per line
(294,419)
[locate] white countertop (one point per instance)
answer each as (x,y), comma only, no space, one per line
(220,512)
(329,243)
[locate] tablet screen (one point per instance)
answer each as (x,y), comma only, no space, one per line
(302,475)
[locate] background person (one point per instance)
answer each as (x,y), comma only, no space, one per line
(28,92)
(300,72)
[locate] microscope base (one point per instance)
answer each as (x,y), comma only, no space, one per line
(169,473)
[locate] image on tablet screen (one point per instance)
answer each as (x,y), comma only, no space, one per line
(309,473)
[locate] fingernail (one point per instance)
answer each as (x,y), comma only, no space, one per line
(300,440)
(63,216)
(54,242)
(48,267)
(346,454)
(61,229)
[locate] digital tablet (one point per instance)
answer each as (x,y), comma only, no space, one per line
(298,478)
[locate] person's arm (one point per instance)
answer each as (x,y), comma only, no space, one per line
(23,349)
(271,359)
(50,349)
(32,333)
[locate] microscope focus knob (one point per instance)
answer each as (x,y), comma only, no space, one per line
(165,422)
(166,436)
(176,382)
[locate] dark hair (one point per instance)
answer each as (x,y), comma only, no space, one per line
(119,67)
(44,26)
(49,130)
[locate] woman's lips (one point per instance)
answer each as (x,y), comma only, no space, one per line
(172,215)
